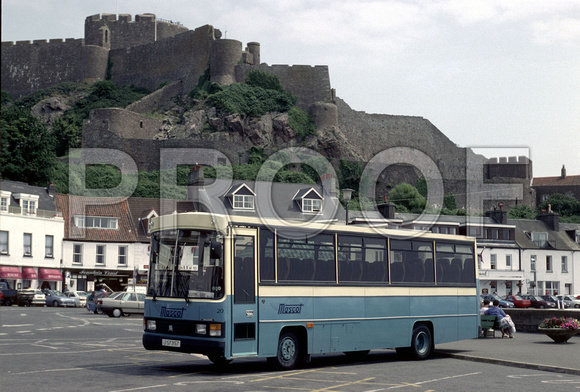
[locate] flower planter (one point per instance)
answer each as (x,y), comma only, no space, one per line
(559,335)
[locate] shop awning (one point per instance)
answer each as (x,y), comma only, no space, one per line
(49,274)
(10,272)
(29,273)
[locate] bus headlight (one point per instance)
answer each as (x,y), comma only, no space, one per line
(215,330)
(201,329)
(151,325)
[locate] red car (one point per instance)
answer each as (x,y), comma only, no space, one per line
(518,301)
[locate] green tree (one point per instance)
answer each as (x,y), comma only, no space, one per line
(407,196)
(522,212)
(562,204)
(449,201)
(422,186)
(27,150)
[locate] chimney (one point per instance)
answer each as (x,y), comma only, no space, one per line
(563,172)
(387,210)
(551,219)
(195,183)
(498,215)
(328,185)
(51,190)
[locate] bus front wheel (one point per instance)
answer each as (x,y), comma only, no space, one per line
(287,353)
(219,360)
(421,342)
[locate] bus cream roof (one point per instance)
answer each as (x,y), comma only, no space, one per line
(209,221)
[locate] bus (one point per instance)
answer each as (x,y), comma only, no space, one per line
(232,287)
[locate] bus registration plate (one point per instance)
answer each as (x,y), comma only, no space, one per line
(171,343)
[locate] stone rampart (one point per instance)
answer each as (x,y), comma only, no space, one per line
(183,57)
(25,69)
(125,33)
(308,83)
(158,100)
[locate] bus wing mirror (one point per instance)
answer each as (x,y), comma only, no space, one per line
(215,250)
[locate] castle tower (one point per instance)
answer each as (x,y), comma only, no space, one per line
(325,115)
(225,54)
(254,49)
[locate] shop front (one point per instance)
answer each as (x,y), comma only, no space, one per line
(501,282)
(94,279)
(11,275)
(49,278)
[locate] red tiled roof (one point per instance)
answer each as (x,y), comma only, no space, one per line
(556,181)
(70,205)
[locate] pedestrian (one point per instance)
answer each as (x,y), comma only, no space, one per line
(505,321)
(485,306)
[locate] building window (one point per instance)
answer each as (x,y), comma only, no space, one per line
(311,205)
(49,246)
(27,244)
(508,261)
(28,207)
(245,202)
(505,235)
(3,242)
(532,262)
(549,264)
(77,253)
(540,239)
(100,255)
(565,264)
(4,202)
(493,259)
(96,222)
(122,255)
(552,288)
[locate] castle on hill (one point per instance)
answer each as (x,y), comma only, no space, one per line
(149,52)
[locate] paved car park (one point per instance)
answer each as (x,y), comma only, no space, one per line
(70,349)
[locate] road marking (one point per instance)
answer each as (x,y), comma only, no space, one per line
(15,325)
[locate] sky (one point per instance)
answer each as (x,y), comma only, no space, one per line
(499,76)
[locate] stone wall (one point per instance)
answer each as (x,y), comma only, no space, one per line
(527,320)
(158,100)
(29,66)
(309,84)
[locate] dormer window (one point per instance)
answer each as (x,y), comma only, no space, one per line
(308,200)
(4,200)
(145,219)
(540,239)
(28,203)
(96,222)
(242,198)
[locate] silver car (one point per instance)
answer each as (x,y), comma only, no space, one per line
(123,304)
(56,298)
(571,300)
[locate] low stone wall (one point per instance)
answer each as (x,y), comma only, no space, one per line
(527,320)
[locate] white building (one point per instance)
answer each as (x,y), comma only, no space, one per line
(31,234)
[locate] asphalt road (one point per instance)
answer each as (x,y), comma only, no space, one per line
(58,349)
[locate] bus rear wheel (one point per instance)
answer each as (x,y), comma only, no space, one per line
(287,353)
(421,342)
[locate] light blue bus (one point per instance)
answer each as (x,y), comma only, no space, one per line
(230,289)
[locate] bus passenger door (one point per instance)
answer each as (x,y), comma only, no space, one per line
(244,306)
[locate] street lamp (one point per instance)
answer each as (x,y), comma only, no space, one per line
(347,194)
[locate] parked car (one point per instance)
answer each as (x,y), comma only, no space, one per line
(123,304)
(56,298)
(538,302)
(81,295)
(39,298)
(518,301)
(565,303)
(502,302)
(574,302)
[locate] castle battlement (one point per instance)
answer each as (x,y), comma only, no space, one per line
(52,41)
(124,18)
(521,160)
